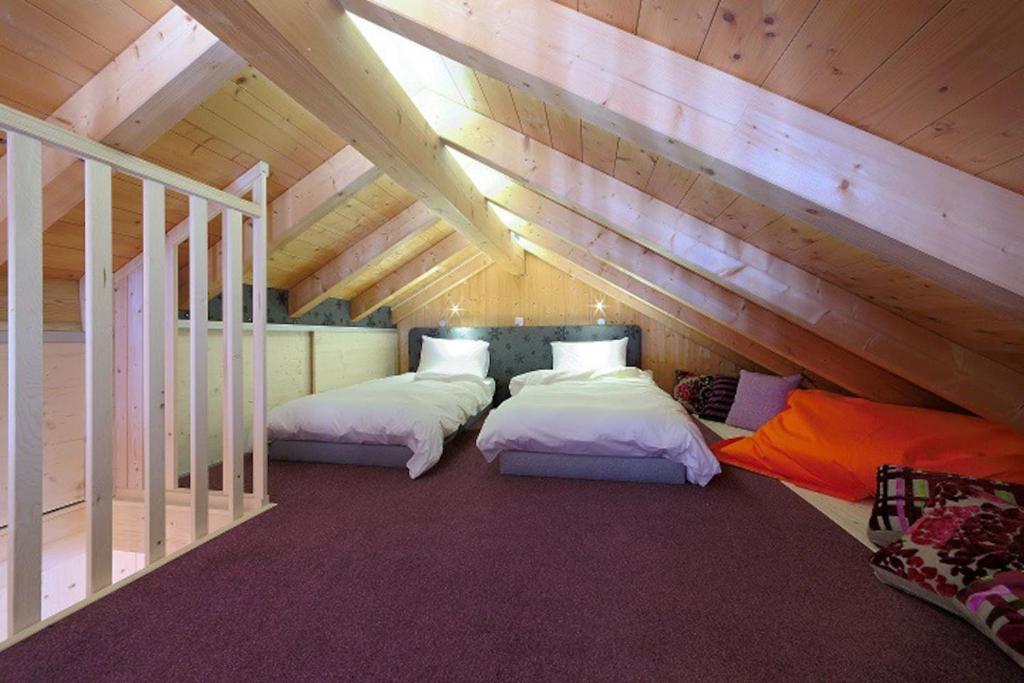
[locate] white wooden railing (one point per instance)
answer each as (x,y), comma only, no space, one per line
(26,138)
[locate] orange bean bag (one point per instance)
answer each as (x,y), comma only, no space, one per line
(835,444)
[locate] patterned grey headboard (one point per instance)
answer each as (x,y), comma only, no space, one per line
(515,350)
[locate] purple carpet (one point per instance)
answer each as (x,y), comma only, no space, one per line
(361,574)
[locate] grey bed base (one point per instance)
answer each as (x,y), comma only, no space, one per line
(601,467)
(373,454)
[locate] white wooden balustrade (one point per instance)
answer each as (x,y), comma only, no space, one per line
(26,137)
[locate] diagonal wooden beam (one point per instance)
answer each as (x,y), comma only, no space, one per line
(655,304)
(317,54)
(861,327)
(580,239)
(946,225)
(324,189)
(404,281)
(477,263)
(366,253)
(179,233)
(131,102)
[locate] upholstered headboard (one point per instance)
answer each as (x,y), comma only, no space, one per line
(515,350)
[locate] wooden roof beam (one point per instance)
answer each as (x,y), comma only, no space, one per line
(368,252)
(861,327)
(324,189)
(657,305)
(131,102)
(946,225)
(317,54)
(579,239)
(401,283)
(477,263)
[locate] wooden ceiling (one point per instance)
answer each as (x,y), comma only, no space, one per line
(942,77)
(995,335)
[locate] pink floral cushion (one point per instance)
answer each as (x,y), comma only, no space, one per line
(966,554)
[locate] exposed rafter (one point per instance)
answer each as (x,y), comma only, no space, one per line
(179,233)
(303,204)
(946,225)
(863,328)
(399,284)
(317,54)
(131,102)
(656,305)
(563,227)
(366,253)
(448,281)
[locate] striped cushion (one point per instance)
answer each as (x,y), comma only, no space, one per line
(720,398)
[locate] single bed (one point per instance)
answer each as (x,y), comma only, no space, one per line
(609,423)
(399,421)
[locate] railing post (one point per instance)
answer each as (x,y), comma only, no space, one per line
(98,323)
(24,381)
(233,425)
(259,341)
(199,432)
(170,349)
(153,249)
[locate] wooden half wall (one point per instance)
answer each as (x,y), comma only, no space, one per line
(547,296)
(301,359)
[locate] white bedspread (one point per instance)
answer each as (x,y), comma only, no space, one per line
(620,412)
(417,412)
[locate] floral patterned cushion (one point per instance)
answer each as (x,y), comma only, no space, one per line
(996,607)
(902,493)
(962,555)
(691,390)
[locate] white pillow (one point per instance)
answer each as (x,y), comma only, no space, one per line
(582,356)
(454,357)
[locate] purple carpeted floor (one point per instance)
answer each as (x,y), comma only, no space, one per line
(361,574)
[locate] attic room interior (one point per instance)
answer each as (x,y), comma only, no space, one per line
(512,340)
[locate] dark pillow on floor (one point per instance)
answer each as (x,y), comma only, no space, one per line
(902,493)
(691,390)
(721,395)
(965,554)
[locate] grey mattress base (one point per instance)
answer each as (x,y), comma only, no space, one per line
(601,467)
(380,455)
(335,453)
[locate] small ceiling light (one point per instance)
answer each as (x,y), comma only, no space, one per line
(599,306)
(455,309)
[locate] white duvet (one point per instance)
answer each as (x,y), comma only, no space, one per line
(610,412)
(408,410)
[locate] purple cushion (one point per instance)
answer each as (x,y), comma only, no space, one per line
(759,398)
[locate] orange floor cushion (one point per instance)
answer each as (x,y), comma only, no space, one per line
(834,444)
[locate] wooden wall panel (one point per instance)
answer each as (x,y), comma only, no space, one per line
(62,308)
(291,368)
(346,358)
(547,296)
(63,425)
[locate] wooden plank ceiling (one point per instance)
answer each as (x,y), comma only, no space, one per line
(59,48)
(821,48)
(942,77)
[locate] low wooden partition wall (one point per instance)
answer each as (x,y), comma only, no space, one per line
(36,153)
